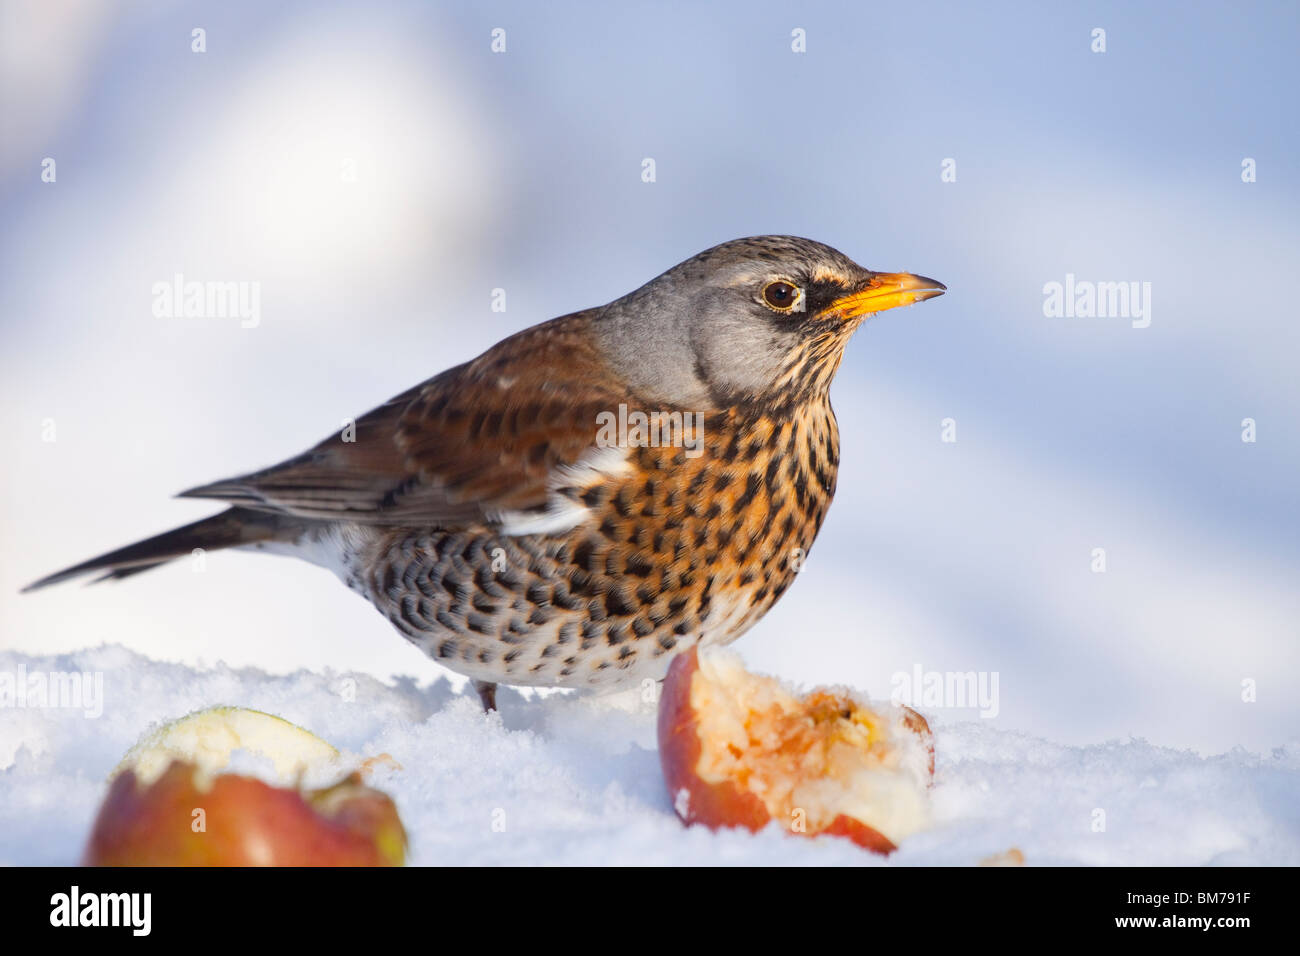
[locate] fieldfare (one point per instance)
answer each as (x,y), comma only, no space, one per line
(592,495)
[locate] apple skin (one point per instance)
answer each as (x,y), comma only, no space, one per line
(713,804)
(726,804)
(921,727)
(867,837)
(248,823)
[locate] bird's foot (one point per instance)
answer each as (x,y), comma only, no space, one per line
(487,694)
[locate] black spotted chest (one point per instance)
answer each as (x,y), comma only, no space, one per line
(677,550)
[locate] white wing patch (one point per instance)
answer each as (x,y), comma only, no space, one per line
(562,512)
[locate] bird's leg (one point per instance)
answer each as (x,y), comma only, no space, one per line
(487,694)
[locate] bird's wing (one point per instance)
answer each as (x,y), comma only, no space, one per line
(480,444)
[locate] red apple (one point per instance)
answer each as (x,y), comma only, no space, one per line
(741,750)
(187,818)
(172,802)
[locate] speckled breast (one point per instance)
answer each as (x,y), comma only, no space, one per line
(687,545)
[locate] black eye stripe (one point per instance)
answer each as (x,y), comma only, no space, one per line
(821,293)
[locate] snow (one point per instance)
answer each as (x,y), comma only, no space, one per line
(565,779)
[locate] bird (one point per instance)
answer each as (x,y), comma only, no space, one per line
(592,495)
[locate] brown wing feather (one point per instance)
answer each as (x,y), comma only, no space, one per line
(477,440)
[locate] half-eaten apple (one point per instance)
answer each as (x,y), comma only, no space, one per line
(742,750)
(173,800)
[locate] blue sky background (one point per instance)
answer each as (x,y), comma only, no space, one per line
(522,171)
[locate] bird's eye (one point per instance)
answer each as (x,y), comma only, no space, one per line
(780,295)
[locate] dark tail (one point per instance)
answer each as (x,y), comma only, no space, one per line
(229,529)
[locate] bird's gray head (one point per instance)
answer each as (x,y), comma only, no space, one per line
(758,319)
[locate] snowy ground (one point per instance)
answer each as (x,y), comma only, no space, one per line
(578,778)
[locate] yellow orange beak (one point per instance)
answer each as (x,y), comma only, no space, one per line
(886,290)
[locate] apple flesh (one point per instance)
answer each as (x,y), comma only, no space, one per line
(741,750)
(210,739)
(186,817)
